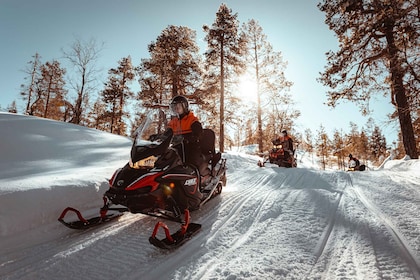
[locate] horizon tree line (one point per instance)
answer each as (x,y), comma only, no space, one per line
(176,67)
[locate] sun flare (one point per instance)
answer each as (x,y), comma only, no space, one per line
(247,90)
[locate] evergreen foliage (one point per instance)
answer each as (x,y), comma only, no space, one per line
(379,47)
(117,94)
(223,60)
(378,53)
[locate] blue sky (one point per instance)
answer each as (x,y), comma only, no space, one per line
(296,28)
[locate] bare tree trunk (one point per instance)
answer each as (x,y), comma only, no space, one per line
(259,120)
(222,101)
(28,105)
(399,96)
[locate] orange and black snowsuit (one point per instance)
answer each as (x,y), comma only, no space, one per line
(190,128)
(287,143)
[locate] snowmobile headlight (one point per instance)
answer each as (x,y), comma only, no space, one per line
(148,162)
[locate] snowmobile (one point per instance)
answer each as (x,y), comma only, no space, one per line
(157,182)
(277,155)
(354,167)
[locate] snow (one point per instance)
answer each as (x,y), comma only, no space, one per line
(268,223)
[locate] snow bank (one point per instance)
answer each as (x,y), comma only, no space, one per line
(47,165)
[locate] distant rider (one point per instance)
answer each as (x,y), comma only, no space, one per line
(185,123)
(354,163)
(287,143)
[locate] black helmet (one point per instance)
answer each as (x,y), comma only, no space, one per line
(179,99)
(350,156)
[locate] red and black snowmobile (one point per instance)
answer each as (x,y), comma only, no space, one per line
(277,155)
(156,182)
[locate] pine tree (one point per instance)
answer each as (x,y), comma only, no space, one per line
(267,69)
(308,144)
(50,92)
(323,146)
(28,90)
(223,56)
(377,145)
(351,139)
(363,145)
(116,94)
(96,116)
(173,68)
(338,149)
(379,47)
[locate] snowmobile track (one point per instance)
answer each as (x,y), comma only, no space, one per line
(330,226)
(406,250)
(344,234)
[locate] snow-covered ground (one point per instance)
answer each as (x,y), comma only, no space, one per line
(268,223)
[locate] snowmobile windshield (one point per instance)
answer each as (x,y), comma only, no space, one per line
(151,139)
(152,126)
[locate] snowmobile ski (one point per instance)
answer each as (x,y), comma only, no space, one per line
(175,240)
(83,223)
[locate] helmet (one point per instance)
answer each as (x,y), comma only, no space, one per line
(284,131)
(350,156)
(183,103)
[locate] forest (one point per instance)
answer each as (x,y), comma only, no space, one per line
(379,43)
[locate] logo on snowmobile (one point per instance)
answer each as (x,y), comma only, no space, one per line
(190,182)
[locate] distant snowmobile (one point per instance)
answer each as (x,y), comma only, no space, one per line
(156,182)
(354,164)
(354,167)
(277,155)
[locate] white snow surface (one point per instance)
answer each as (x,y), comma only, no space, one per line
(268,223)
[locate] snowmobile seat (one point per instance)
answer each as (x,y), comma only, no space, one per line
(207,145)
(207,139)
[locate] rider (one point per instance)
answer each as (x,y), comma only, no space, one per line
(287,143)
(356,162)
(185,123)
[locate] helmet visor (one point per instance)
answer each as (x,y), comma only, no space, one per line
(177,109)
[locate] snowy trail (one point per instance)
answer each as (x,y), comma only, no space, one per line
(406,250)
(268,223)
(402,232)
(362,238)
(41,261)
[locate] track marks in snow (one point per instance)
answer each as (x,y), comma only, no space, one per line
(254,223)
(71,255)
(360,239)
(346,248)
(407,253)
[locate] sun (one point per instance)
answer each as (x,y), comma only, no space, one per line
(247,89)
